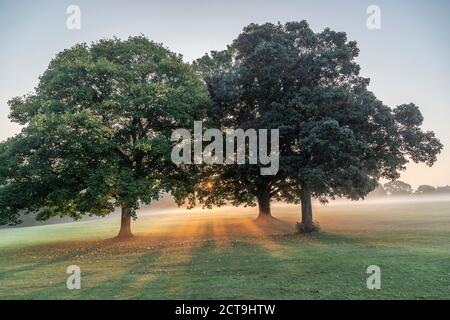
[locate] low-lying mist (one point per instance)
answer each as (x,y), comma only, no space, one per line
(167,206)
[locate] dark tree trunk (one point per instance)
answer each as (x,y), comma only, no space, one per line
(125,224)
(307,224)
(264,205)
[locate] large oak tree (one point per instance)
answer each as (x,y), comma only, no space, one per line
(97,132)
(336,138)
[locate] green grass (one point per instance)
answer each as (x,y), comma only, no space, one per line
(225,255)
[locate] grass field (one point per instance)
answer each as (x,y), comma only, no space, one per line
(225,254)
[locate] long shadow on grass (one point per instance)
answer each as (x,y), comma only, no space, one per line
(76,252)
(144,277)
(124,284)
(173,268)
(292,266)
(219,268)
(317,267)
(59,290)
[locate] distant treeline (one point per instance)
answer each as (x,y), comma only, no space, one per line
(400,188)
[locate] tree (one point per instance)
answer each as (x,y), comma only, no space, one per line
(426,189)
(97,133)
(444,189)
(398,188)
(336,138)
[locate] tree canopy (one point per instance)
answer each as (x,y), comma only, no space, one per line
(336,138)
(97,132)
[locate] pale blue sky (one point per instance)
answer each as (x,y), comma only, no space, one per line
(407,60)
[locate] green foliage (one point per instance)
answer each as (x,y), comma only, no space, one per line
(336,138)
(97,131)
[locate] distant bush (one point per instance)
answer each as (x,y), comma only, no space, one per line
(398,188)
(445,189)
(425,189)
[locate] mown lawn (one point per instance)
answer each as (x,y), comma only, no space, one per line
(224,254)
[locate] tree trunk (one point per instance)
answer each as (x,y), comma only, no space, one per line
(264,206)
(307,224)
(125,224)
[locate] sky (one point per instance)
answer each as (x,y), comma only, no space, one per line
(407,59)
